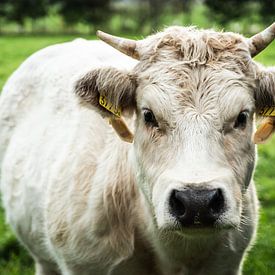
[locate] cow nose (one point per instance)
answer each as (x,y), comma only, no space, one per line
(197,207)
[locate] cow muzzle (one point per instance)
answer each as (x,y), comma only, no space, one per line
(197,208)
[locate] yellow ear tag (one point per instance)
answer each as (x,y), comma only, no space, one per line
(267,111)
(267,126)
(121,128)
(109,106)
(116,121)
(265,130)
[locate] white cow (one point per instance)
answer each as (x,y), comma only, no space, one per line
(180,199)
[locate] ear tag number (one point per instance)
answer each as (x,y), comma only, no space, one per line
(267,111)
(116,121)
(109,106)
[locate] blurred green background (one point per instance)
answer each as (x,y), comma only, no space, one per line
(29,25)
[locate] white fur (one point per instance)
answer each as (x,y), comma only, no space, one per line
(63,168)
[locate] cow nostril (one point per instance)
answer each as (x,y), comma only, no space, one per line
(217,201)
(176,205)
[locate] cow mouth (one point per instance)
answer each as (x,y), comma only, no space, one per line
(198,229)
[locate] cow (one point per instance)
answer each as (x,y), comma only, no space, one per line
(168,189)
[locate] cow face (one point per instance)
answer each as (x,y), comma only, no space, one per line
(194,150)
(194,94)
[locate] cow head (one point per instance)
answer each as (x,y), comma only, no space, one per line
(194,94)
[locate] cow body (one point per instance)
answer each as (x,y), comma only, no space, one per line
(74,193)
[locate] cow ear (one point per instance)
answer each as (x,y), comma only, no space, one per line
(111,93)
(265,91)
(108,91)
(265,102)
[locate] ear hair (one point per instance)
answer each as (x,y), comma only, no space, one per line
(117,86)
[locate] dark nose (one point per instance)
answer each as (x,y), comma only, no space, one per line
(197,207)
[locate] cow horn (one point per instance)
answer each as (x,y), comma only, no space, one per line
(261,40)
(126,46)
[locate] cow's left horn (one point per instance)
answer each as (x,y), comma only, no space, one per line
(261,40)
(126,46)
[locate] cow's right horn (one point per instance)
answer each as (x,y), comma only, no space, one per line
(126,46)
(261,40)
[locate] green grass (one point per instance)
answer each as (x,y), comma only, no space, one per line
(261,260)
(15,49)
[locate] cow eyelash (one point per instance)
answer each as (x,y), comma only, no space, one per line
(241,120)
(149,117)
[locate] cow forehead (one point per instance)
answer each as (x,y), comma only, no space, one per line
(203,89)
(196,70)
(176,54)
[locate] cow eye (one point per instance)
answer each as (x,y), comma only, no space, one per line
(241,120)
(149,117)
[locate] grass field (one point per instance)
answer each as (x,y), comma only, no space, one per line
(261,259)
